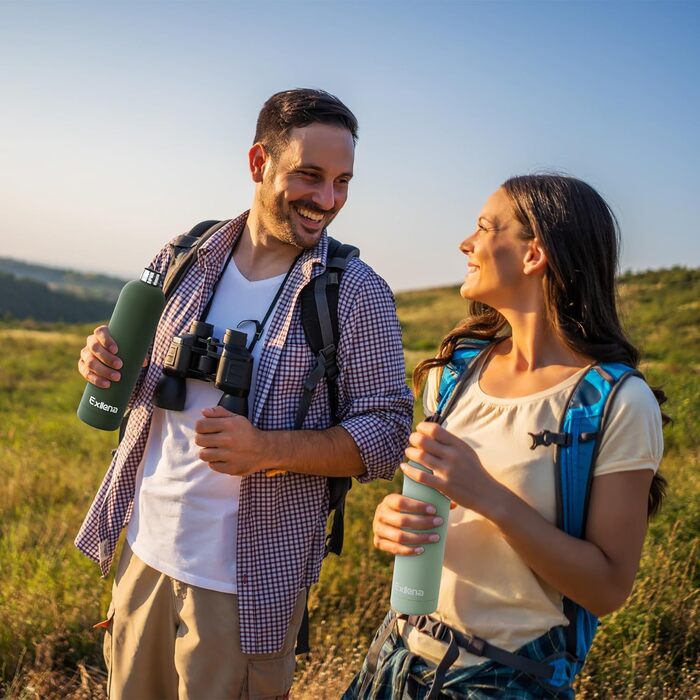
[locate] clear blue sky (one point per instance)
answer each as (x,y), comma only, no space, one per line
(125,123)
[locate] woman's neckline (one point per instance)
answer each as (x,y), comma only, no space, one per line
(541,394)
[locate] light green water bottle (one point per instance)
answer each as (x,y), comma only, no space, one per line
(415,587)
(133,325)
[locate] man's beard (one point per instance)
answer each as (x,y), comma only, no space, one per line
(277,217)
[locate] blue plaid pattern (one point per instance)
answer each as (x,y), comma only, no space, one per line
(282,519)
(402,675)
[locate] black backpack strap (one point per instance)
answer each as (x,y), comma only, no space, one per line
(319,318)
(183,251)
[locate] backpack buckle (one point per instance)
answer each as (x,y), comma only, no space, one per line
(327,355)
(476,646)
(547,438)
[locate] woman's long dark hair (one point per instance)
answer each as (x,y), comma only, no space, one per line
(581,239)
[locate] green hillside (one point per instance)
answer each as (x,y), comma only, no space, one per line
(28,299)
(51,466)
(84,285)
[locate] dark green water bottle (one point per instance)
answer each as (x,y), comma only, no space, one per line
(133,325)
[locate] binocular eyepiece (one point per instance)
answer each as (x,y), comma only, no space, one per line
(195,355)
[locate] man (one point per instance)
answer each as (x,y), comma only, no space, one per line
(226,515)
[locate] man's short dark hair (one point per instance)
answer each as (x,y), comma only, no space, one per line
(297,108)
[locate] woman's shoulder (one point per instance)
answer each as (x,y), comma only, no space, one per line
(632,437)
(635,396)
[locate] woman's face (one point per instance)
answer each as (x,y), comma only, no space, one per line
(496,254)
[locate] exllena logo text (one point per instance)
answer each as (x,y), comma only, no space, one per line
(103,406)
(407,590)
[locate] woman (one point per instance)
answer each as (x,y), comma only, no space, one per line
(540,280)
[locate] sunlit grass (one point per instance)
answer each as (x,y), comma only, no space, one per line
(51,465)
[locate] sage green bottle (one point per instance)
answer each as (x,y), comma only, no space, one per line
(415,588)
(133,325)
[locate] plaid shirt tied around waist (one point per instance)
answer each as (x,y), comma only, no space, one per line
(281,519)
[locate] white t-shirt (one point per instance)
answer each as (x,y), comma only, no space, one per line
(184,522)
(486,588)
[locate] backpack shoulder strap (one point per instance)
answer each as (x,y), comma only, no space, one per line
(183,251)
(319,318)
(577,444)
(581,429)
(456,373)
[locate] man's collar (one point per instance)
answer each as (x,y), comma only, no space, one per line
(227,236)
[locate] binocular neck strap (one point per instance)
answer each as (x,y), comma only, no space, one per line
(259,325)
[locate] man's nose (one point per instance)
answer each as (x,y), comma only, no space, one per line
(324,196)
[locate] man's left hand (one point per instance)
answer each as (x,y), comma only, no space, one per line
(230,443)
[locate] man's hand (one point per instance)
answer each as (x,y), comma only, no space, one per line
(98,362)
(231,444)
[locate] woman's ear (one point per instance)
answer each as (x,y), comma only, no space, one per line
(535,260)
(257,156)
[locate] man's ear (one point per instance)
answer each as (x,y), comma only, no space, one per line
(535,261)
(257,157)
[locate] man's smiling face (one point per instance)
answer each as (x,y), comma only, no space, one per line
(304,187)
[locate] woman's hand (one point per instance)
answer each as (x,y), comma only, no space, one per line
(457,471)
(396,512)
(596,572)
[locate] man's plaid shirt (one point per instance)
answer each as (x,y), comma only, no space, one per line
(281,519)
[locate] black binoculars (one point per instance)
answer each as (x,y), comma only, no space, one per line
(196,355)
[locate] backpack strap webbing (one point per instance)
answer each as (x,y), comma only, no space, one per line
(183,251)
(456,373)
(581,432)
(319,319)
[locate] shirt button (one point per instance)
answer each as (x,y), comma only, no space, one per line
(244,579)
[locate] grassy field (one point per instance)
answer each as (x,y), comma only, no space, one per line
(51,465)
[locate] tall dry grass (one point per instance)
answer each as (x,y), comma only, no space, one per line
(50,466)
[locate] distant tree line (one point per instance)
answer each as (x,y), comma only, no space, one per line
(28,299)
(85,285)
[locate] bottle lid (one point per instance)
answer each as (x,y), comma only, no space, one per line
(152,277)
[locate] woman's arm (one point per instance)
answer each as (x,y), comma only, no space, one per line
(597,572)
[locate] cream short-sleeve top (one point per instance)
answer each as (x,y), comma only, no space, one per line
(487,589)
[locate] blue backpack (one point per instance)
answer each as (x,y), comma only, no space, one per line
(577,443)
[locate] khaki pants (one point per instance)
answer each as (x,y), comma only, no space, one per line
(167,640)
